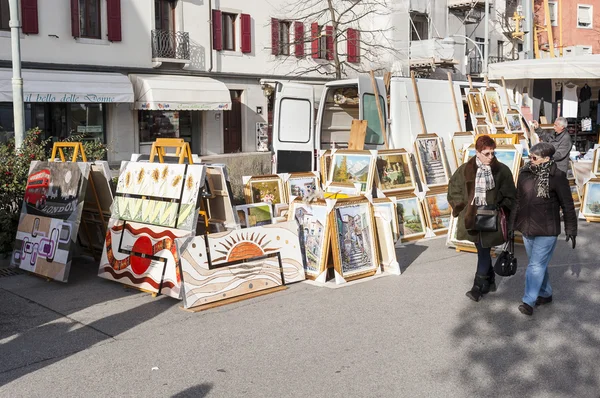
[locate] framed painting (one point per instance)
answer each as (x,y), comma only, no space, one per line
(350,167)
(575,194)
(595,163)
(590,206)
(394,171)
(510,156)
(254,215)
(438,212)
(313,222)
(502,139)
(432,160)
(281,210)
(302,185)
(354,243)
(525,152)
(325,164)
(570,172)
(265,189)
(386,208)
(514,122)
(482,129)
(459,142)
(494,107)
(411,219)
(339,191)
(385,242)
(452,240)
(476,104)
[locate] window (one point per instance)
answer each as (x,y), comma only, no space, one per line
(584,16)
(520,47)
(553,7)
(295,119)
(89,18)
(371,115)
(420,26)
(500,50)
(87,119)
(163,15)
(164,124)
(4,15)
(284,37)
(322,51)
(228,26)
(481,45)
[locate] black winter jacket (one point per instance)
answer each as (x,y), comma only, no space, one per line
(541,216)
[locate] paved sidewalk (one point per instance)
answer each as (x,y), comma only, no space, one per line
(415,335)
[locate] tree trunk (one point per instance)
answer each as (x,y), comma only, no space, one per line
(335,23)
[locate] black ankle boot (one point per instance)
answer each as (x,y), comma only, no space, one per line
(480,287)
(491,280)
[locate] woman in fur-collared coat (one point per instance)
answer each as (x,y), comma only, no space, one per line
(483,180)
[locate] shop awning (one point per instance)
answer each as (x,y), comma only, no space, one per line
(169,92)
(579,67)
(68,86)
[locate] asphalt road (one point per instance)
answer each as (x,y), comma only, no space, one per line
(414,335)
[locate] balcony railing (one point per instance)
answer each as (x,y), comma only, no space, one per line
(476,65)
(170,45)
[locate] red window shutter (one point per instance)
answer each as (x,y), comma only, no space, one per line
(357,46)
(113,8)
(75,29)
(246,33)
(314,37)
(274,36)
(329,46)
(29,13)
(352,42)
(299,39)
(217,30)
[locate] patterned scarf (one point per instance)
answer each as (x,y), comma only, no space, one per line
(542,177)
(484,181)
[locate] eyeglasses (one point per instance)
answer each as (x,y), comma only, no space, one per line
(488,154)
(535,158)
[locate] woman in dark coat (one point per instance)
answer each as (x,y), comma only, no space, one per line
(543,190)
(483,180)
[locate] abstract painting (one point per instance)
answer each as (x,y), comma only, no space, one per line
(591,199)
(159,194)
(350,167)
(254,215)
(142,256)
(265,189)
(394,171)
(438,212)
(432,161)
(302,185)
(411,219)
(475,102)
(50,218)
(494,107)
(314,234)
(354,239)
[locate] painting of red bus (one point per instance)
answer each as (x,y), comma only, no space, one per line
(36,191)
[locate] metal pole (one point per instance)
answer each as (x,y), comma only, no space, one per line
(17,80)
(528,28)
(486,38)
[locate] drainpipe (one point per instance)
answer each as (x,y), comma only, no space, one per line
(210,34)
(17,80)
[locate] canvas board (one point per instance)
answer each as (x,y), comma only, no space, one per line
(394,171)
(438,212)
(432,161)
(386,208)
(220,204)
(50,218)
(411,218)
(385,240)
(494,108)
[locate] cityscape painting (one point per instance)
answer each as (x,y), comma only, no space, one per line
(432,161)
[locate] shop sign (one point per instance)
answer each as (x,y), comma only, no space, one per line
(68,98)
(174,106)
(89,129)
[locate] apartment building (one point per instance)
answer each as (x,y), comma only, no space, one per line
(128,72)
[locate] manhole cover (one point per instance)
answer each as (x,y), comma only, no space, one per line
(4,272)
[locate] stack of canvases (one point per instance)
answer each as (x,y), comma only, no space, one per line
(56,195)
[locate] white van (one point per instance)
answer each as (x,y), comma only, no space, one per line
(298,135)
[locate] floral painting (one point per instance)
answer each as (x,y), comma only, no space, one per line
(475,102)
(266,190)
(494,107)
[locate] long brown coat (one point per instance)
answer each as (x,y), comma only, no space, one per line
(461,191)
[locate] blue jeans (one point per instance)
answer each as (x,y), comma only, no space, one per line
(539,250)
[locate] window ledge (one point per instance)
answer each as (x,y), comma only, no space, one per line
(231,53)
(97,42)
(585,27)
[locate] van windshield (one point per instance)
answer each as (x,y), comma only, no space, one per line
(370,114)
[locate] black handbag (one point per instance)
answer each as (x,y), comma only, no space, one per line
(486,219)
(506,263)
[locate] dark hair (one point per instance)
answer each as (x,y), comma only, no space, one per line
(543,149)
(484,141)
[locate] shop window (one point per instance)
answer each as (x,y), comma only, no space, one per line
(584,16)
(89,18)
(164,124)
(553,7)
(228,26)
(4,15)
(88,120)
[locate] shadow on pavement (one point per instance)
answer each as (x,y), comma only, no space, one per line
(199,391)
(508,353)
(407,256)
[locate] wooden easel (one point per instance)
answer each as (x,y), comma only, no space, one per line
(418,101)
(78,151)
(458,123)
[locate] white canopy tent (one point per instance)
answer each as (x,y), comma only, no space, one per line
(68,86)
(580,67)
(168,92)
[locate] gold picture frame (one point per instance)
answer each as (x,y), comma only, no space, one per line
(494,108)
(438,212)
(302,185)
(459,140)
(265,189)
(431,160)
(590,205)
(349,167)
(476,104)
(394,171)
(411,218)
(514,122)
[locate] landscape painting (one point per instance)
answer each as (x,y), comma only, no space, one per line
(314,235)
(394,172)
(438,211)
(354,241)
(510,157)
(350,168)
(411,220)
(432,161)
(254,215)
(591,204)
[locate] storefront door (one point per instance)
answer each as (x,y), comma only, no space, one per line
(232,124)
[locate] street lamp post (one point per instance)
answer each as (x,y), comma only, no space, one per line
(17,80)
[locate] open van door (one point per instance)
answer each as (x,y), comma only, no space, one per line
(293,128)
(375,138)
